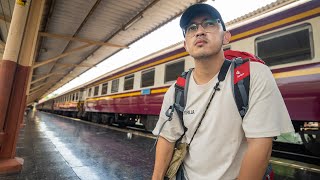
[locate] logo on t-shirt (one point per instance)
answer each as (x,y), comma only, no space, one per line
(187,112)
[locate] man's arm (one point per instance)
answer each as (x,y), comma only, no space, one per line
(164,153)
(256,158)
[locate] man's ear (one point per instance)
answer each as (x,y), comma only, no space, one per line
(185,47)
(226,37)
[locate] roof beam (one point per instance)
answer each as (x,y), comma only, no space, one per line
(35,75)
(40,89)
(60,56)
(44,77)
(74,65)
(71,38)
(37,87)
(5,18)
(42,84)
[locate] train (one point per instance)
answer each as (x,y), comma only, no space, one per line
(287,38)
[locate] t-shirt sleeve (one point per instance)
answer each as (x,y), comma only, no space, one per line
(267,115)
(171,130)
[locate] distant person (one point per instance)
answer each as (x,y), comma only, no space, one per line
(225,146)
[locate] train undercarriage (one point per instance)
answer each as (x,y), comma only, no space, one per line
(145,122)
(310,136)
(307,134)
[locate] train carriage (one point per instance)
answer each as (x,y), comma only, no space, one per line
(286,38)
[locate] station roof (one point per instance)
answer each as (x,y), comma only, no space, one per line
(76,35)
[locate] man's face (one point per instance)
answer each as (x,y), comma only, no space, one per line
(204,43)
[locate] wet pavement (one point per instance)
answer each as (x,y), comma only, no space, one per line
(59,148)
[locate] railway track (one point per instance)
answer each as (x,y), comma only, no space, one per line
(294,152)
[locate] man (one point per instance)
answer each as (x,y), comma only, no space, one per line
(225,145)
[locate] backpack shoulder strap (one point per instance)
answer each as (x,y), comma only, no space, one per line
(180,95)
(241,84)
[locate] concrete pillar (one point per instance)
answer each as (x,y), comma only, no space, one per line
(14,72)
(28,49)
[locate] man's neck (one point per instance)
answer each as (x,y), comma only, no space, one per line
(206,69)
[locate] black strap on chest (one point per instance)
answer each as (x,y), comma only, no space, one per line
(181,93)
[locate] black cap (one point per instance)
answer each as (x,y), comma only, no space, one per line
(199,9)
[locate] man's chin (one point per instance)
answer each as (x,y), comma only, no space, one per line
(201,56)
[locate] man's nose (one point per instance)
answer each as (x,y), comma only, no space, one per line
(200,31)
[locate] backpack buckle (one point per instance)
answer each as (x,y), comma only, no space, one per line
(238,60)
(169,112)
(243,111)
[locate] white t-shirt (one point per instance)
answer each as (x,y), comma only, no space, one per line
(218,147)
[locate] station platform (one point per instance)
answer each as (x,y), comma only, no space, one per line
(55,147)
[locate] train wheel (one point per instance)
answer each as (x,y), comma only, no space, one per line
(95,118)
(111,120)
(104,119)
(311,140)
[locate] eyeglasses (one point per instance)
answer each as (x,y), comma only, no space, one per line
(209,25)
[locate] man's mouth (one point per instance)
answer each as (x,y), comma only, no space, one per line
(200,42)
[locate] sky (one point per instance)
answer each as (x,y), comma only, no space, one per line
(165,36)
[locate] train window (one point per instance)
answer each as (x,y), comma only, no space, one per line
(114,85)
(128,82)
(147,78)
(96,91)
(76,96)
(173,70)
(104,88)
(89,92)
(290,45)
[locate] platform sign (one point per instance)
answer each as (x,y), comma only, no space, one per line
(145,91)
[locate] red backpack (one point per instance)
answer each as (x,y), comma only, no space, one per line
(241,85)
